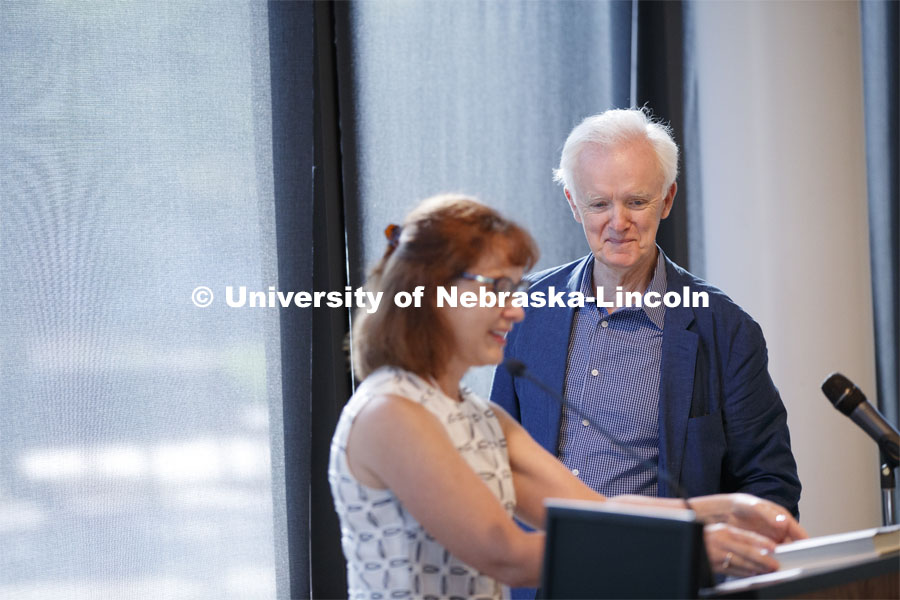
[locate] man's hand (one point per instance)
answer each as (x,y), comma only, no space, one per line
(766,518)
(750,513)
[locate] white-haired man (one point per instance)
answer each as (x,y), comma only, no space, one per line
(688,389)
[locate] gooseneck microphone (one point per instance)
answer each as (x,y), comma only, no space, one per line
(516,368)
(848,399)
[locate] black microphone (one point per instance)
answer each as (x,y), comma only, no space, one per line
(848,399)
(517,368)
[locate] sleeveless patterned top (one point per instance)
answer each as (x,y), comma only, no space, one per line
(389,555)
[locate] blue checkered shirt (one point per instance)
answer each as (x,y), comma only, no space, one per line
(612,378)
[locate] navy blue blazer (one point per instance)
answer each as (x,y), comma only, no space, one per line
(722,424)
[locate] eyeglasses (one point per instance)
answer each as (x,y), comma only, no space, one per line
(501,284)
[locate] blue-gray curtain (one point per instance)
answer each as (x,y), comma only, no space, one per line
(880,21)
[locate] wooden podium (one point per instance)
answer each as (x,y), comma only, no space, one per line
(855,564)
(867,578)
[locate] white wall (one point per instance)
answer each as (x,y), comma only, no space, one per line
(785,218)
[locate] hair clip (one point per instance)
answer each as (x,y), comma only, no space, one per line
(392,233)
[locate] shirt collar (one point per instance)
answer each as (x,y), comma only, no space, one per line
(658,284)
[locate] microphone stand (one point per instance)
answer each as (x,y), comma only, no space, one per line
(890,458)
(888,488)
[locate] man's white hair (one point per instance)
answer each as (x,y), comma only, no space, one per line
(611,128)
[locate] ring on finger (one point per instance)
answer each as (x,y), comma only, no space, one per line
(727,562)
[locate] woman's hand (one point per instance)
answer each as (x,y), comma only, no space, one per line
(750,513)
(738,552)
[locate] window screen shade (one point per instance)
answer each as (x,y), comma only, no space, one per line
(135,454)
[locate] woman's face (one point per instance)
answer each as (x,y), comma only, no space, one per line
(480,332)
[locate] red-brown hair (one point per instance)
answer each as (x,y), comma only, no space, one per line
(442,237)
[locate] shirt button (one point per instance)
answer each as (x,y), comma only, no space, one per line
(595,372)
(575,472)
(585,422)
(604,324)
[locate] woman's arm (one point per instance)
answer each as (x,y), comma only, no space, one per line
(738,510)
(537,474)
(397,444)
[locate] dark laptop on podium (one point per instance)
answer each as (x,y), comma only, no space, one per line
(595,550)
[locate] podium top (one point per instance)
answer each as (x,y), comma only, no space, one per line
(839,548)
(842,560)
(868,578)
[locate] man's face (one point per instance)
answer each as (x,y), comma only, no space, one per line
(619,200)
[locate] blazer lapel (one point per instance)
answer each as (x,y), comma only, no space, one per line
(676,385)
(545,347)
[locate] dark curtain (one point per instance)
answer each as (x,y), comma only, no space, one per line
(330,366)
(659,83)
(664,78)
(311,256)
(291,65)
(880,21)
